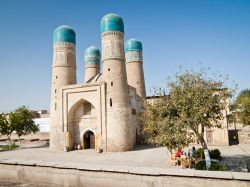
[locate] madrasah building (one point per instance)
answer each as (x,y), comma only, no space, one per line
(102,112)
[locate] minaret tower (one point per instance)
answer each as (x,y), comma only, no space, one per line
(119,130)
(92,62)
(63,73)
(134,66)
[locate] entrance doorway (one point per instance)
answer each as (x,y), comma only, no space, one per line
(88,140)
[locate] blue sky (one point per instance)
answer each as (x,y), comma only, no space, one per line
(174,33)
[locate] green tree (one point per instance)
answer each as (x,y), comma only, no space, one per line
(195,102)
(5,127)
(21,120)
(161,125)
(243,107)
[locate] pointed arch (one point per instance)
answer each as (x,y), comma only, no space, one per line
(77,121)
(88,129)
(89,138)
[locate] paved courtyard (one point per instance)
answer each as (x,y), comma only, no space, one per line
(143,156)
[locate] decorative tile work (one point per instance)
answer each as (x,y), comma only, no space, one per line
(60,57)
(112,45)
(71,57)
(67,45)
(134,56)
(92,55)
(64,54)
(92,60)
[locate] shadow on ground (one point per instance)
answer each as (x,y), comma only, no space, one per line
(239,163)
(143,147)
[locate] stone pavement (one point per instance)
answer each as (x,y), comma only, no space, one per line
(147,156)
(236,157)
(144,166)
(143,156)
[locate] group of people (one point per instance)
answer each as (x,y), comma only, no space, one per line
(190,153)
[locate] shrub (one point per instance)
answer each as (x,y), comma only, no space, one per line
(13,146)
(201,165)
(8,147)
(215,166)
(199,154)
(215,154)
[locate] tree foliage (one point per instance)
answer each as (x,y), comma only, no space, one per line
(194,102)
(21,120)
(5,127)
(161,125)
(243,107)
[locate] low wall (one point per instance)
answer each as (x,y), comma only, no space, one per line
(38,135)
(51,174)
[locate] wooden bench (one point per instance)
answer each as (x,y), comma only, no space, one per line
(186,163)
(173,160)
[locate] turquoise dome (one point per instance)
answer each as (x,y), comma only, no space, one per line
(112,22)
(92,55)
(133,45)
(64,34)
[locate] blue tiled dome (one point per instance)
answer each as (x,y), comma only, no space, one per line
(133,45)
(112,22)
(92,55)
(64,34)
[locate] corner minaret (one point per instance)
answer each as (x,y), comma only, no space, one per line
(119,131)
(134,66)
(92,62)
(63,73)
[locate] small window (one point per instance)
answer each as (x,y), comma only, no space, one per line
(110,102)
(55,90)
(108,69)
(55,106)
(112,83)
(56,77)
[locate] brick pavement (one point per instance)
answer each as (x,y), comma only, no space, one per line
(142,156)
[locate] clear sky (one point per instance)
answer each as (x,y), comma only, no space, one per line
(174,33)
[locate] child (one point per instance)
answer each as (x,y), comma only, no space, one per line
(178,153)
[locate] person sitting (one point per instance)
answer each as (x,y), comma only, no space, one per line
(192,156)
(178,153)
(193,152)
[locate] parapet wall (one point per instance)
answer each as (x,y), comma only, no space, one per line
(29,173)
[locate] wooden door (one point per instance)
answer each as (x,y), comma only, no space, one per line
(92,141)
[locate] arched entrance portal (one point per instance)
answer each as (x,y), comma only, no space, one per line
(82,118)
(88,140)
